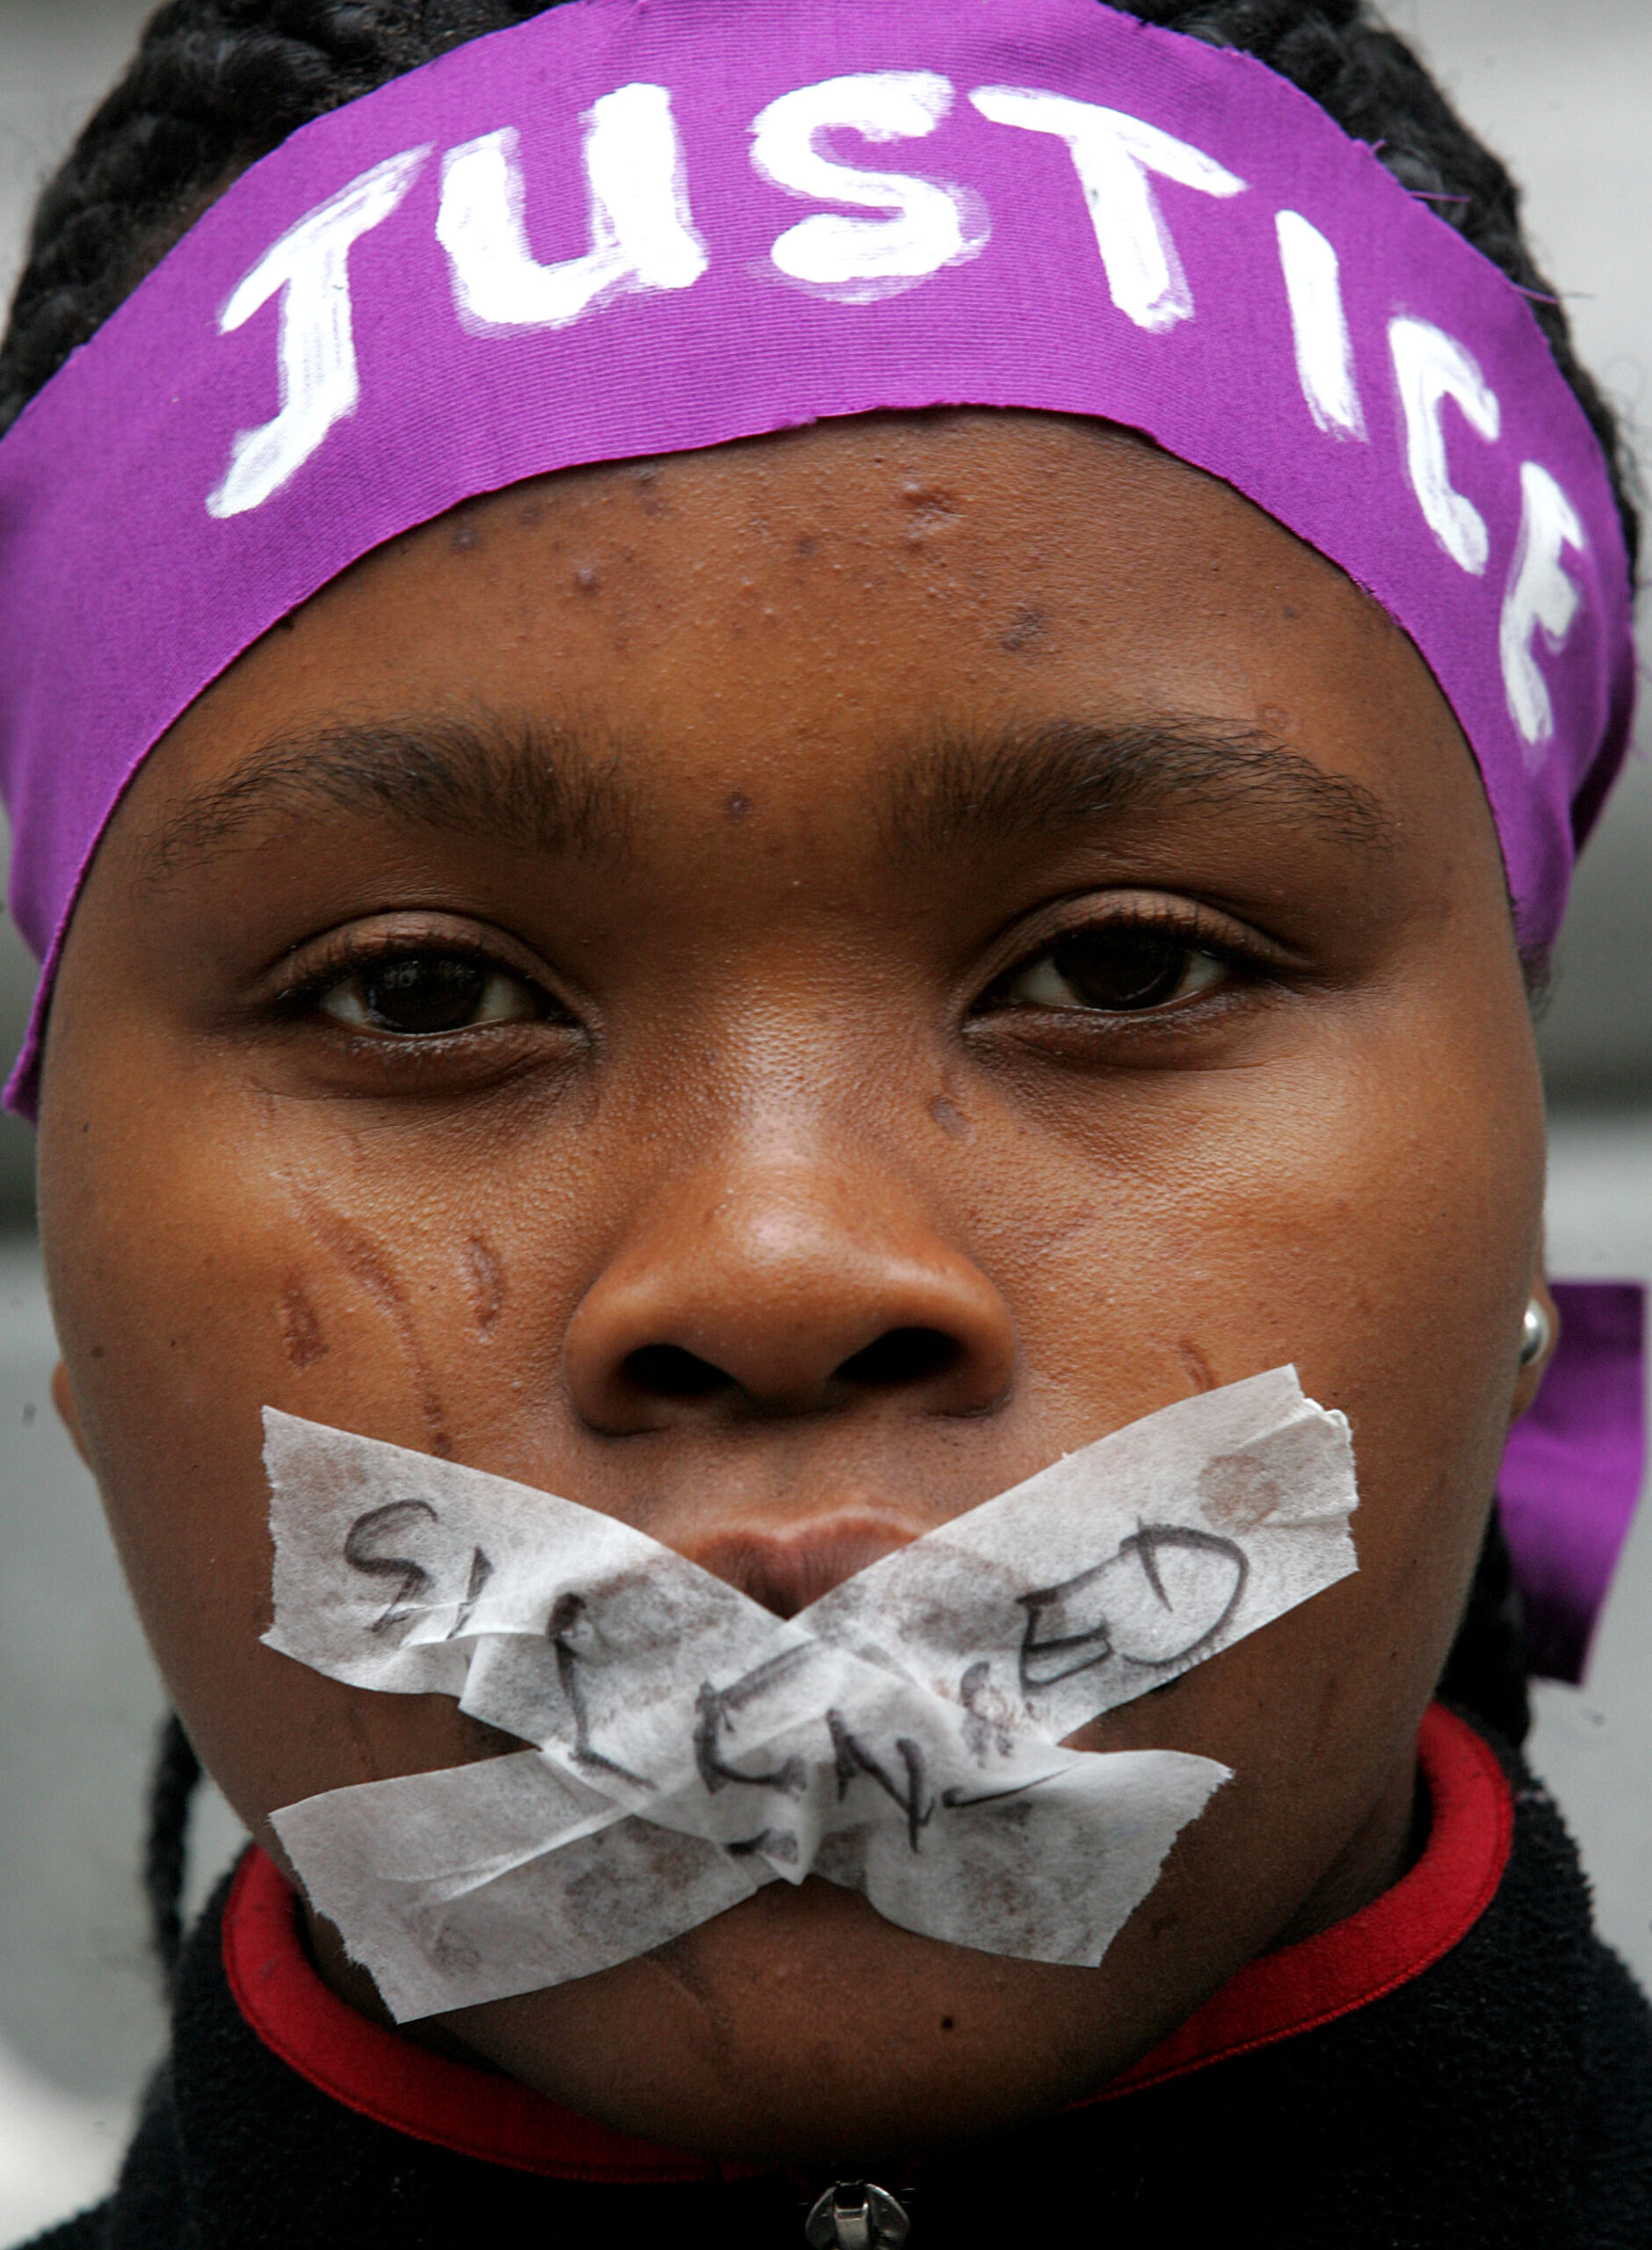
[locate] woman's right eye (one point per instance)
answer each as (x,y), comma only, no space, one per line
(423,995)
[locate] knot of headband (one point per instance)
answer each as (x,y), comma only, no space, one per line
(619,229)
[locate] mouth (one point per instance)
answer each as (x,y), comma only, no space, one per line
(785,1570)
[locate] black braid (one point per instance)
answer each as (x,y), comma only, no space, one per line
(216,83)
(166,1847)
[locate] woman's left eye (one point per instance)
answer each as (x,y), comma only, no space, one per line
(1114,972)
(424,994)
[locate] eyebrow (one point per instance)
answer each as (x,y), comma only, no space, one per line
(550,789)
(558,790)
(1052,776)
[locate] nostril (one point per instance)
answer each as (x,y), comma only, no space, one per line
(667,1371)
(899,1357)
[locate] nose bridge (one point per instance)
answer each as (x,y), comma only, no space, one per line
(777,1274)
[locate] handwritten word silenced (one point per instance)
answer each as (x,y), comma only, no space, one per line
(768,1760)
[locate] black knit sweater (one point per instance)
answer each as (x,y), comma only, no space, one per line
(1503,2098)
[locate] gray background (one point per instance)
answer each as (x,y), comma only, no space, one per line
(1565,92)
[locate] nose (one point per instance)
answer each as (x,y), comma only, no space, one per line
(785,1293)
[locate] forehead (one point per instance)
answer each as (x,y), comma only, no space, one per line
(838,593)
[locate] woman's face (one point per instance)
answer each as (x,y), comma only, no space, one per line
(632,946)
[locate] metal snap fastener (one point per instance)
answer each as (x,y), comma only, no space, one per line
(855,2215)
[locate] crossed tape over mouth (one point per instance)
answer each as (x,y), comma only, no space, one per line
(900,1736)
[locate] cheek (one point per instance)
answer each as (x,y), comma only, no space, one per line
(1377,1226)
(202,1268)
(1374,1223)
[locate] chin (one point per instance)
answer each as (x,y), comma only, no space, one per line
(800,2027)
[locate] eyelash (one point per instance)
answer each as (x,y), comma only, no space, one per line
(351,955)
(1189,929)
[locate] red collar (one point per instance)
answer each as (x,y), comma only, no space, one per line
(477,2113)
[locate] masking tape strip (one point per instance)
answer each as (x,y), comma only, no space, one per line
(900,1737)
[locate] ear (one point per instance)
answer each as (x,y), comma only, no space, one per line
(1531,1376)
(68,1412)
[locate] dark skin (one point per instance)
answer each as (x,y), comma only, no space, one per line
(773,992)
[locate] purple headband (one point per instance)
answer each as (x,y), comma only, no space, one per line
(638,227)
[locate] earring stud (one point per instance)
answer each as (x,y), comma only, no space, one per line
(1536,1334)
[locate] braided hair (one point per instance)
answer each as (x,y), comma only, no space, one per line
(172,1785)
(216,84)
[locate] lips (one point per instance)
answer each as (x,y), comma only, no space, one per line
(785,1570)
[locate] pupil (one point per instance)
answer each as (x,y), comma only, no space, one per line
(424,992)
(1120,969)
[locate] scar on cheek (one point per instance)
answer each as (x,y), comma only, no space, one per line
(1197,1366)
(356,1252)
(303,1336)
(368,1267)
(486,1281)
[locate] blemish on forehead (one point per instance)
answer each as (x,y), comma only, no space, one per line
(1024,629)
(738,805)
(804,545)
(586,579)
(303,1339)
(650,490)
(1277,720)
(929,509)
(465,537)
